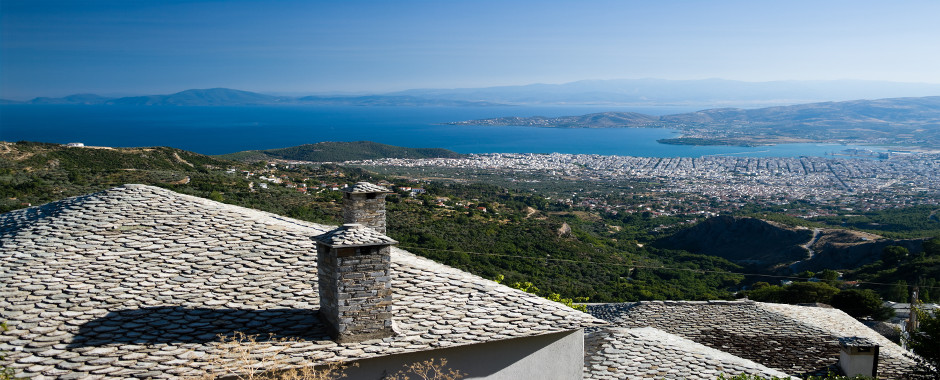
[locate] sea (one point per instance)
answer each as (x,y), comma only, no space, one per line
(220,130)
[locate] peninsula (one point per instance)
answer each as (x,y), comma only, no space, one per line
(908,122)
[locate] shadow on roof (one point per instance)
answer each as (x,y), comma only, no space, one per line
(175,324)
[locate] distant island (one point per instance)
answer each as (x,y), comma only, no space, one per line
(910,122)
(338,151)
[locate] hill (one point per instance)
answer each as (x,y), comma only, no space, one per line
(771,247)
(34,173)
(334,151)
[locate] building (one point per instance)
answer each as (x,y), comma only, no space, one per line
(139,281)
(796,340)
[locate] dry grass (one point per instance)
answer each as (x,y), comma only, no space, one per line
(245,357)
(427,370)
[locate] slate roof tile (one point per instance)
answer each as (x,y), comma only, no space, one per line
(366,187)
(649,353)
(797,340)
(137,280)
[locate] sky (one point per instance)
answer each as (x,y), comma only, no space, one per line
(133,47)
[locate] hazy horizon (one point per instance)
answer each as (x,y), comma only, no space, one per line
(111,47)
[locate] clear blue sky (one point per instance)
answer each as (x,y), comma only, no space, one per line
(156,47)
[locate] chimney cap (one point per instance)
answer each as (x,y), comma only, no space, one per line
(353,235)
(366,187)
(856,341)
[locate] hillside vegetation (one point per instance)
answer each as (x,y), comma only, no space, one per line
(493,231)
(485,229)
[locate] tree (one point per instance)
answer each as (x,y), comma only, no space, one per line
(828,275)
(766,293)
(809,292)
(932,247)
(898,292)
(861,303)
(925,341)
(894,254)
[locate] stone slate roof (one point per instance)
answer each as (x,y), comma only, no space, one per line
(354,235)
(894,360)
(797,340)
(139,281)
(366,187)
(649,353)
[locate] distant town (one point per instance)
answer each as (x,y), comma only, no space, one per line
(895,180)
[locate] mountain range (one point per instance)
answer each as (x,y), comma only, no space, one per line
(622,92)
(230,97)
(903,121)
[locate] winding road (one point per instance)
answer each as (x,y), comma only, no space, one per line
(809,250)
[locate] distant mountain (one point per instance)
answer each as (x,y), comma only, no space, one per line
(208,97)
(72,99)
(619,92)
(881,112)
(384,100)
(706,92)
(331,151)
(230,97)
(906,121)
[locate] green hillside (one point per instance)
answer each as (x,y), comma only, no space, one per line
(335,151)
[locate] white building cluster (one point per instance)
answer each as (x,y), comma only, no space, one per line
(721,176)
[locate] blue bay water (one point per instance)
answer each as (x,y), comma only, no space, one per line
(218,130)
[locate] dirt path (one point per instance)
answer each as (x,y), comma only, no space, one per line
(809,250)
(529,212)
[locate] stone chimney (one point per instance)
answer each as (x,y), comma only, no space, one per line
(353,267)
(364,204)
(858,356)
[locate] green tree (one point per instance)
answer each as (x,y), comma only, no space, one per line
(925,342)
(862,303)
(898,292)
(828,275)
(809,292)
(805,274)
(216,196)
(894,254)
(932,247)
(766,293)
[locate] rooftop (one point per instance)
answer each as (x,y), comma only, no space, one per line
(646,352)
(140,281)
(794,339)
